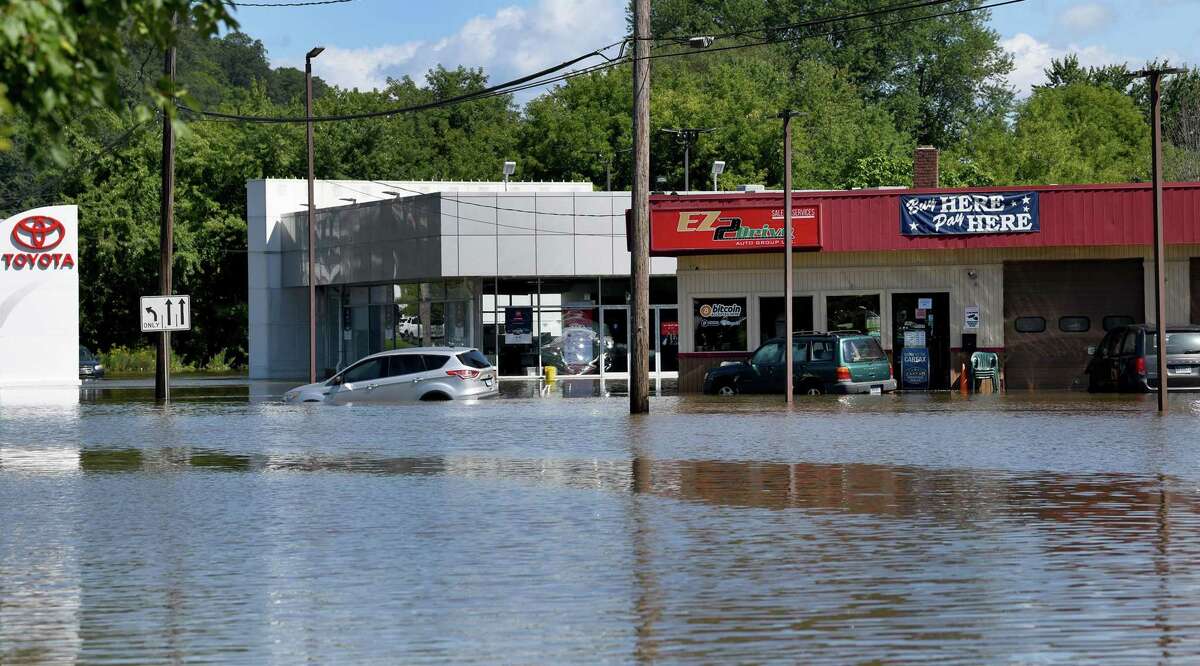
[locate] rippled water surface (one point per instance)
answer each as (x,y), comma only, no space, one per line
(1017,529)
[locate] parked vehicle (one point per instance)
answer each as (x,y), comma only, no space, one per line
(1126,360)
(89,365)
(839,362)
(416,373)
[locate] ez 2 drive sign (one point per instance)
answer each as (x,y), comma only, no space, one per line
(731,229)
(34,240)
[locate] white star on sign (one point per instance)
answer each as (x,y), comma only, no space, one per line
(1027,209)
(1025,201)
(912,227)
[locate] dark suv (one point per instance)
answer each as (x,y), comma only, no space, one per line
(1127,360)
(822,363)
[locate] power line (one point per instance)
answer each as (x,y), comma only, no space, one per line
(310,3)
(512,210)
(500,88)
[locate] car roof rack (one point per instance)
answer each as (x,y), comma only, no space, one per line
(848,331)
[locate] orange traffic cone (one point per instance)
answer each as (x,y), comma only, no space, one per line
(963,381)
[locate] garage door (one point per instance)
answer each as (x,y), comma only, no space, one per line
(1053,310)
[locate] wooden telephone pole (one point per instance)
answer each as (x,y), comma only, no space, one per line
(639,270)
(166,233)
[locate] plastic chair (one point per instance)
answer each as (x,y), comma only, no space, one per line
(985,365)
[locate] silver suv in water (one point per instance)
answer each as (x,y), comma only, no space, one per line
(416,373)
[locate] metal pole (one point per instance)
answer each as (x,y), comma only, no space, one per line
(166,233)
(714,182)
(787,254)
(686,166)
(608,173)
(639,371)
(1160,278)
(312,232)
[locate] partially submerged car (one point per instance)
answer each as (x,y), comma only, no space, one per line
(1127,360)
(838,362)
(416,373)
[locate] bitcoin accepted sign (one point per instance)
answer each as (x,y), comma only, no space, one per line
(39,299)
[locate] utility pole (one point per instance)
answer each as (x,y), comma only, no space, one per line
(312,230)
(787,116)
(639,270)
(1160,272)
(166,231)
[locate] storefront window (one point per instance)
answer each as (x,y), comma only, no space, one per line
(719,324)
(853,313)
(771,323)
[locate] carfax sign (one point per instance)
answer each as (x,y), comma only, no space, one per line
(963,214)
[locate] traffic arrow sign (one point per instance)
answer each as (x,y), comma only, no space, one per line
(166,313)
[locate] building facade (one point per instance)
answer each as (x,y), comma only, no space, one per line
(534,276)
(1034,274)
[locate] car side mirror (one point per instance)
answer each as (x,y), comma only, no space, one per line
(1091,350)
(336,381)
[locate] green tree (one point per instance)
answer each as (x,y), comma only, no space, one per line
(59,58)
(1079,133)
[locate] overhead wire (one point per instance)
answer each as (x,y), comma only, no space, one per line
(302,3)
(512,210)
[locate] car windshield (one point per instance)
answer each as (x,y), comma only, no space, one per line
(85,355)
(858,350)
(1177,343)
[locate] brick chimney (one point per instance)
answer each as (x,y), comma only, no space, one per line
(925,167)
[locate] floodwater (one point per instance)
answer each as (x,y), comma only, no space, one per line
(1024,529)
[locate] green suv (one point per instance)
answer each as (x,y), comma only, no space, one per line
(840,362)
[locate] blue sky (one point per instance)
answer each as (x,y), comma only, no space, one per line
(369,40)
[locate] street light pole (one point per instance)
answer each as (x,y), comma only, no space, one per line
(685,136)
(312,232)
(639,269)
(1160,277)
(787,116)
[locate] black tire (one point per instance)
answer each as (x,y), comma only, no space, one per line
(812,388)
(726,388)
(435,396)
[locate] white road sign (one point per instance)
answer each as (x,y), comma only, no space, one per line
(166,313)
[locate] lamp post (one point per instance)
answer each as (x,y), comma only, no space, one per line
(312,232)
(509,169)
(687,136)
(1160,277)
(717,169)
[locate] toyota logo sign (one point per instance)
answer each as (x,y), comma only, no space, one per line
(33,238)
(38,233)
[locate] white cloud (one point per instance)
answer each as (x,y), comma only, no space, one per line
(1085,17)
(1031,57)
(514,41)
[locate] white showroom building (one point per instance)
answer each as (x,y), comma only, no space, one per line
(532,274)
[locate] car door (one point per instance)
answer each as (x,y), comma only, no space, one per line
(800,362)
(766,370)
(397,386)
(1124,363)
(823,363)
(359,381)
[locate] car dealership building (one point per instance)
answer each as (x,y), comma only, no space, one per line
(532,274)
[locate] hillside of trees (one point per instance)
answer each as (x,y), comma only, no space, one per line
(870,94)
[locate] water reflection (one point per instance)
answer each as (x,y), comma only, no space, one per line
(523,531)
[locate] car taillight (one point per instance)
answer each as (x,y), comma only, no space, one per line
(891,372)
(1139,365)
(843,374)
(465,373)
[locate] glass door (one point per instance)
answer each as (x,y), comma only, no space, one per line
(667,346)
(614,339)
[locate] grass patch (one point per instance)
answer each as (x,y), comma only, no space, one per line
(140,361)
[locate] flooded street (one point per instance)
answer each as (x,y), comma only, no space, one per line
(1037,528)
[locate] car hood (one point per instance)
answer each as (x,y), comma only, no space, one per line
(318,387)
